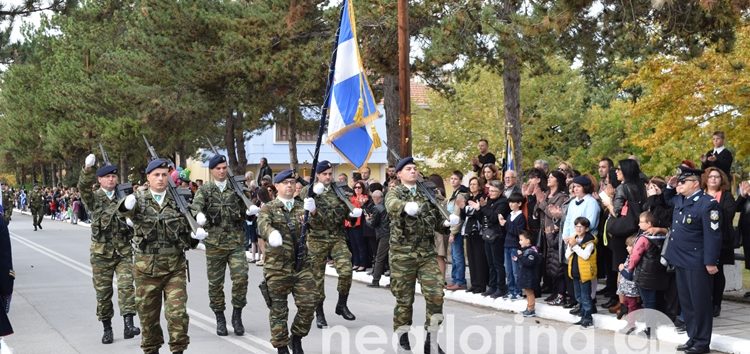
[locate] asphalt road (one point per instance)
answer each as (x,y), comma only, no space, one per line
(53,311)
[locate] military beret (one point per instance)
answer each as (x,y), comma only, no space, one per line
(686,172)
(582,180)
(216,160)
(158,163)
(105,170)
(403,162)
(322,166)
(283,175)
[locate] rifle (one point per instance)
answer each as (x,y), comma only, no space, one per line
(180,197)
(427,188)
(338,188)
(122,190)
(235,180)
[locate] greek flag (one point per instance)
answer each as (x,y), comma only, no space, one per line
(510,161)
(351,103)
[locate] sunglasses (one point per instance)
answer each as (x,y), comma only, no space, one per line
(357,187)
(687,180)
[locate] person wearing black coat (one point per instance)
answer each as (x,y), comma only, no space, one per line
(378,220)
(719,157)
(494,237)
(7,276)
(471,229)
(743,207)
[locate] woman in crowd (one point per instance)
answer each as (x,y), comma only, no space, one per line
(549,206)
(489,173)
(472,227)
(715,183)
(493,235)
(743,207)
(360,254)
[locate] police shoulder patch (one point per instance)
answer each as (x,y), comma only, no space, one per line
(714,215)
(714,226)
(531,257)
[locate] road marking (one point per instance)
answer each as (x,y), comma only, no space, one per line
(196,317)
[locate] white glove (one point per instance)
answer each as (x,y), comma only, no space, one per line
(274,239)
(309,204)
(200,219)
(663,261)
(129,202)
(454,219)
(446,223)
(318,188)
(199,234)
(411,208)
(90,161)
(129,222)
(252,210)
(356,212)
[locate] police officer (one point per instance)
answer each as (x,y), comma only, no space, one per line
(694,247)
(110,249)
(412,254)
(279,224)
(6,201)
(326,236)
(162,234)
(219,207)
(36,204)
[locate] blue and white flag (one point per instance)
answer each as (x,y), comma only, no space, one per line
(510,157)
(351,103)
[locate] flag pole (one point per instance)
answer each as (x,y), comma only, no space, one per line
(301,249)
(403,77)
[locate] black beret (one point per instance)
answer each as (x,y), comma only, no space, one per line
(216,160)
(105,170)
(403,162)
(283,175)
(582,180)
(158,163)
(686,172)
(322,166)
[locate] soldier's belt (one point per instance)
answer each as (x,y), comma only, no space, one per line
(163,250)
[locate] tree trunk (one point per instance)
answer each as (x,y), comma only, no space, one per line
(229,141)
(512,97)
(239,133)
(124,169)
(292,138)
(391,105)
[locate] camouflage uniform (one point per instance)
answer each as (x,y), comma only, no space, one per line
(36,204)
(225,213)
(326,235)
(110,250)
(412,256)
(279,273)
(7,205)
(162,234)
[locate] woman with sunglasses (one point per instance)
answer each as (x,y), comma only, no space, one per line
(360,252)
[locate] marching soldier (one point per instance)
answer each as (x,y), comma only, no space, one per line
(218,204)
(412,255)
(7,202)
(162,234)
(280,223)
(326,236)
(693,249)
(36,204)
(110,248)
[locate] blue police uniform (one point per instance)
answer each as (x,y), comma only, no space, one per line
(694,243)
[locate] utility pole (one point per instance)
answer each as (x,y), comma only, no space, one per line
(404,78)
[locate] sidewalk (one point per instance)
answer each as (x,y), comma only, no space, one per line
(731,332)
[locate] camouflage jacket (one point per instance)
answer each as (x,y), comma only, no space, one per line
(329,216)
(158,230)
(414,232)
(274,216)
(109,233)
(7,204)
(36,200)
(225,214)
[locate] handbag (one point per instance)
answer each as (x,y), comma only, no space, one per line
(627,223)
(490,234)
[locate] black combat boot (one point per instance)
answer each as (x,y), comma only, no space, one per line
(296,344)
(403,343)
(430,347)
(130,330)
(40,225)
(221,324)
(34,227)
(180,352)
(320,316)
(107,337)
(239,329)
(341,308)
(283,350)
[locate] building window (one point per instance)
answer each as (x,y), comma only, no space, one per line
(303,135)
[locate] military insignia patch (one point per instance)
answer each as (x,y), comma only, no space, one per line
(714,215)
(531,257)
(714,226)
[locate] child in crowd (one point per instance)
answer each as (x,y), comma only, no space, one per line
(528,259)
(644,266)
(581,254)
(626,288)
(513,227)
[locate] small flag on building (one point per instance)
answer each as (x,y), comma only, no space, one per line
(351,103)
